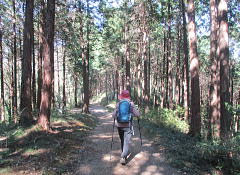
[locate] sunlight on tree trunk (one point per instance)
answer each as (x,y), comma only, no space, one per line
(195,127)
(214,114)
(223,53)
(48,56)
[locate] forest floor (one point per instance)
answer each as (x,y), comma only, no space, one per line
(74,147)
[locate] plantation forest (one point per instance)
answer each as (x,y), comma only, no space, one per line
(64,63)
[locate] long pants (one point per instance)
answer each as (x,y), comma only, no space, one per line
(125,136)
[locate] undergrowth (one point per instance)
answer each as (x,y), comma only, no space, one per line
(31,149)
(191,155)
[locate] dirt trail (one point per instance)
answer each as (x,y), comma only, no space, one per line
(96,158)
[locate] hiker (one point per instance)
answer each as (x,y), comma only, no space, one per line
(123,113)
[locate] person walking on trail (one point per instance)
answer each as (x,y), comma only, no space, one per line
(124,112)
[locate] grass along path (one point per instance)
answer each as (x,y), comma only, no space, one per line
(34,152)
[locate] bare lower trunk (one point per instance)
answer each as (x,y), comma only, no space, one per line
(2,115)
(64,81)
(48,50)
(26,98)
(14,66)
(195,128)
(214,114)
(186,69)
(223,53)
(40,56)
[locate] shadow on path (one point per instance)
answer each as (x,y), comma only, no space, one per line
(144,160)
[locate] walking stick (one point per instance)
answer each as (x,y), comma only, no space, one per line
(140,132)
(112,139)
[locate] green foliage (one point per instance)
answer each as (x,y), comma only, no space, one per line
(168,118)
(222,154)
(189,154)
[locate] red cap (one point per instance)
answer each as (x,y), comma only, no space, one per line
(124,94)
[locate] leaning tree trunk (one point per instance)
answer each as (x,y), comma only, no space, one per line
(224,69)
(195,128)
(48,50)
(26,98)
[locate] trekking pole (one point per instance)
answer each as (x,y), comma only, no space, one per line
(140,132)
(112,139)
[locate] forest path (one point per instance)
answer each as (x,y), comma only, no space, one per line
(144,160)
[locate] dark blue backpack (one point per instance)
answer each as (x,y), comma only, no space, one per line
(124,113)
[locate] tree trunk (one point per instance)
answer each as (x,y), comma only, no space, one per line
(138,74)
(117,83)
(170,81)
(195,128)
(48,56)
(85,61)
(34,98)
(178,86)
(26,98)
(40,56)
(122,73)
(214,114)
(127,56)
(163,77)
(238,115)
(75,89)
(224,69)
(2,115)
(186,69)
(58,78)
(149,68)
(14,64)
(64,79)
(145,58)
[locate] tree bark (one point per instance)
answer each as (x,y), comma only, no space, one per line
(117,83)
(75,87)
(122,74)
(58,78)
(145,58)
(186,69)
(214,114)
(178,86)
(2,115)
(127,56)
(223,53)
(163,77)
(48,56)
(40,56)
(195,128)
(26,98)
(14,63)
(85,64)
(170,81)
(34,98)
(64,78)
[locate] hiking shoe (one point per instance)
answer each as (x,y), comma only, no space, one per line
(123,161)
